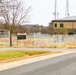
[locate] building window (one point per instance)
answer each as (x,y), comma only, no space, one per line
(61,25)
(55,25)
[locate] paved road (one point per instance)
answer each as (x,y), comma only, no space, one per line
(61,65)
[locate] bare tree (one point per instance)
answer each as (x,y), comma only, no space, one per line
(13,12)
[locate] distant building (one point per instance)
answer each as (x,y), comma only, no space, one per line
(68,23)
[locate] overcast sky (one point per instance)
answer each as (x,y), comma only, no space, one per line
(42,10)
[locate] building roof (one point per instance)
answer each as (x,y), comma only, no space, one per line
(67,19)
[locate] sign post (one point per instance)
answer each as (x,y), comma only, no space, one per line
(21,36)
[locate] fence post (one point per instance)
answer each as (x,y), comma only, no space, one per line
(10,38)
(34,39)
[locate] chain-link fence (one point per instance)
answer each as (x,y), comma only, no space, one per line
(44,40)
(38,40)
(4,37)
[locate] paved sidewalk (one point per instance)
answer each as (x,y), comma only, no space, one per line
(50,49)
(9,65)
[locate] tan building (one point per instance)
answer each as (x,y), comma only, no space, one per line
(67,23)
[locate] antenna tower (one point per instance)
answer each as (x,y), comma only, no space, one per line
(55,11)
(67,8)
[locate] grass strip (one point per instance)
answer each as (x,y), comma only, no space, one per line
(13,55)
